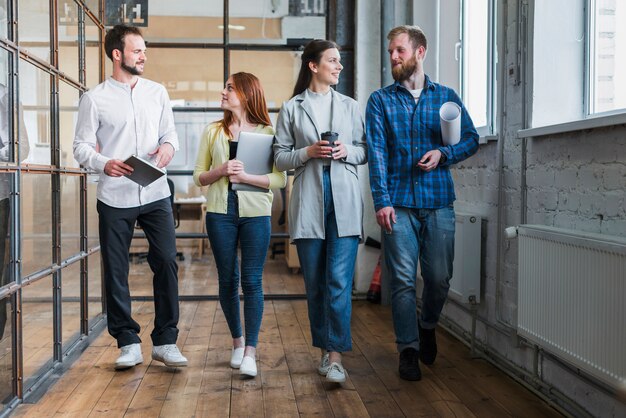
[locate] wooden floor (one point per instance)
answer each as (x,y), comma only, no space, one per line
(287,384)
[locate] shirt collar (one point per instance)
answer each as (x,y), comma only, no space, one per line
(428,85)
(123,85)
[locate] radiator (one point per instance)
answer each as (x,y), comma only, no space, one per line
(572,298)
(465,282)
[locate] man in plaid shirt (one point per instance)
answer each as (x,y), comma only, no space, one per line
(413,192)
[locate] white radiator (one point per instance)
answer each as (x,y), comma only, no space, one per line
(465,282)
(572,298)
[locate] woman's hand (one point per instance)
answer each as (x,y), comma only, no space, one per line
(231,167)
(241,177)
(320,149)
(339,151)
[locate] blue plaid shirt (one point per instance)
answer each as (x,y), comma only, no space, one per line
(399,132)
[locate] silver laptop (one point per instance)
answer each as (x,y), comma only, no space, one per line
(256,153)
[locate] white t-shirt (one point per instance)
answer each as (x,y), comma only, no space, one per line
(416,94)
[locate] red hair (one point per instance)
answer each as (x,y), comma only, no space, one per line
(252,98)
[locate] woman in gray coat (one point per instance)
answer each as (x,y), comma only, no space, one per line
(326,208)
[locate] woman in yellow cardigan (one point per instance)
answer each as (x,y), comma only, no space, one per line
(238,216)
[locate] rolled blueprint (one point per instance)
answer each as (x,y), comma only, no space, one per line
(450,114)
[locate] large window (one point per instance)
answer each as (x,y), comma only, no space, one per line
(578,65)
(608,56)
(478,61)
(462,53)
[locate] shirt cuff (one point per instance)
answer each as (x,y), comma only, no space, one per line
(100,162)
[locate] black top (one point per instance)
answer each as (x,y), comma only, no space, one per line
(232,150)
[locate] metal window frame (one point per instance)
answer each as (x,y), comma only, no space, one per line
(491,127)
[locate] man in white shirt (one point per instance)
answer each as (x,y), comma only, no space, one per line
(123,116)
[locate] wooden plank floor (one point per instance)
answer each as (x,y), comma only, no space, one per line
(287,384)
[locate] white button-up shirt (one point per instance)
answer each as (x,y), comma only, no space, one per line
(115,122)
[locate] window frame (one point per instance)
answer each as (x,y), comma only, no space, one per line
(489,130)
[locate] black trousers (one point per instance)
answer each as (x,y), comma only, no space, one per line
(116,227)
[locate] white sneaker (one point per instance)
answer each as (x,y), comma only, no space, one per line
(248,366)
(322,369)
(336,373)
(236,357)
(130,356)
(169,354)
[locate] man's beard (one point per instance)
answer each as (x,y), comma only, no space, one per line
(405,70)
(131,70)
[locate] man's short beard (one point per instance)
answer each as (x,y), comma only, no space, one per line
(131,70)
(405,70)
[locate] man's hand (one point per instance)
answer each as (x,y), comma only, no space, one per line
(430,160)
(164,154)
(339,151)
(320,149)
(386,217)
(117,168)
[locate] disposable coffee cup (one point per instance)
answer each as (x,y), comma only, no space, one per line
(331,137)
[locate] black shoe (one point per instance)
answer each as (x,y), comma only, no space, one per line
(409,364)
(428,345)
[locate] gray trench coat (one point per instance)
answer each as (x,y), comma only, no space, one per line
(296,129)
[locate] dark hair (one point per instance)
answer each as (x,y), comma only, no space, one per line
(115,38)
(250,94)
(313,52)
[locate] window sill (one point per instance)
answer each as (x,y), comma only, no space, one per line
(483,139)
(577,125)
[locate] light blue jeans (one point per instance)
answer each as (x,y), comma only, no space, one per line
(225,231)
(328,269)
(426,235)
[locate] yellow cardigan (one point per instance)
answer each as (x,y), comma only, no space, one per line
(213,152)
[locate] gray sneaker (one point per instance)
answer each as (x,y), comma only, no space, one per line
(336,373)
(169,354)
(322,369)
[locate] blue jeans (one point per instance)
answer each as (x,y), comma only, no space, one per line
(427,235)
(328,269)
(253,235)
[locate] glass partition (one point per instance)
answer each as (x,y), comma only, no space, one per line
(6,349)
(185,21)
(264,22)
(34,27)
(6,203)
(37,329)
(277,79)
(68,38)
(94,286)
(70,306)
(68,113)
(36,209)
(34,85)
(193,77)
(70,216)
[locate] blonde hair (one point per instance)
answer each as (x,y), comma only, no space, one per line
(416,35)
